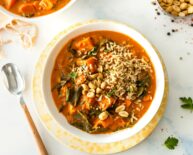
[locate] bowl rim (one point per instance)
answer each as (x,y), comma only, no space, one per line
(13,15)
(128,27)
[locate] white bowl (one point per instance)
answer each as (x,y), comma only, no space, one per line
(111,26)
(13,15)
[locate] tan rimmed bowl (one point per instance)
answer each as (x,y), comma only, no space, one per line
(96,26)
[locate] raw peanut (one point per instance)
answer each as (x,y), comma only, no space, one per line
(91,85)
(100,68)
(177,3)
(183,6)
(185,12)
(104,115)
(182,14)
(90,95)
(85,87)
(176,8)
(84,92)
(120,108)
(92,90)
(169,9)
(46,4)
(190,9)
(100,76)
(174,13)
(162,4)
(98,90)
(169,1)
(95,82)
(93,76)
(123,114)
(103,85)
(98,82)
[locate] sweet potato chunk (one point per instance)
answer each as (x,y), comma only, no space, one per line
(10,3)
(106,102)
(92,64)
(47,4)
(128,103)
(106,123)
(27,9)
(81,79)
(88,103)
(84,45)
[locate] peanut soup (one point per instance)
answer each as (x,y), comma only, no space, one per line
(102,82)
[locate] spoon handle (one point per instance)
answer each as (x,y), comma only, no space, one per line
(40,144)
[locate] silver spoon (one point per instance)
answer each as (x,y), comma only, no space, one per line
(15,84)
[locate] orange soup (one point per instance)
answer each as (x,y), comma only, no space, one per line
(103,81)
(33,8)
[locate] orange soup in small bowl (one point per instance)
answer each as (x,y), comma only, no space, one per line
(33,8)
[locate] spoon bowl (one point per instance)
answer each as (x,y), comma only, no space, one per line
(13,79)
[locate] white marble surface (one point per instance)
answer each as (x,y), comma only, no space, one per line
(15,136)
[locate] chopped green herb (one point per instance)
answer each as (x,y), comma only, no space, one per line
(94,112)
(70,49)
(59,85)
(144,82)
(74,95)
(105,50)
(63,80)
(98,130)
(171,143)
(111,109)
(81,121)
(77,95)
(61,107)
(28,15)
(71,95)
(63,76)
(103,42)
(141,91)
(72,75)
(93,52)
(188,103)
(111,93)
(67,94)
